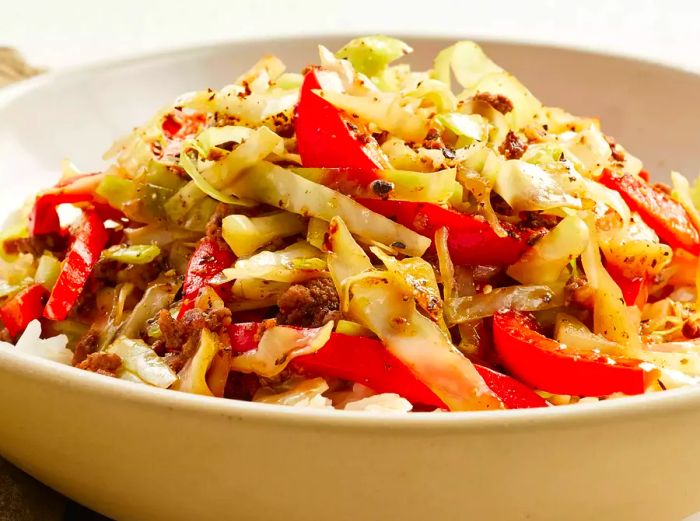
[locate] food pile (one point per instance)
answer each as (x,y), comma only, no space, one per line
(363,236)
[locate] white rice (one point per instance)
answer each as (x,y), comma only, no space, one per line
(31,343)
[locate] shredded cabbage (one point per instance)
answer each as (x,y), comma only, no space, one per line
(47,271)
(295,263)
(371,55)
(380,302)
(282,188)
(304,393)
(245,235)
(278,346)
(135,254)
(546,260)
(575,335)
(138,358)
(345,257)
(521,298)
(466,61)
(193,377)
(611,317)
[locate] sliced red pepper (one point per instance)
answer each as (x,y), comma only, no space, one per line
(43,218)
(366,361)
(513,394)
(89,240)
(210,258)
(25,306)
(659,210)
(330,138)
(635,290)
(543,363)
(471,240)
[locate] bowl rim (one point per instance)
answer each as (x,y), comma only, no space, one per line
(48,372)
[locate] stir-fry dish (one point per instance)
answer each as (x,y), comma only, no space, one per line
(362,236)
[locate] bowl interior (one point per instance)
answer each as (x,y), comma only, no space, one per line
(78,114)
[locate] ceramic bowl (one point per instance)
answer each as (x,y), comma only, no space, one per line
(137,453)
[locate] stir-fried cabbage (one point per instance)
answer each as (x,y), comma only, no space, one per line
(295,393)
(295,263)
(611,317)
(345,257)
(135,254)
(214,178)
(545,261)
(246,235)
(193,377)
(419,277)
(139,359)
(280,345)
(280,187)
(381,302)
(237,167)
(575,335)
(370,55)
(482,305)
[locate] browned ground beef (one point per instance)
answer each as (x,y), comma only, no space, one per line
(498,101)
(181,337)
(512,147)
(311,304)
(86,346)
(103,363)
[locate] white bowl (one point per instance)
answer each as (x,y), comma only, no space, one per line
(140,453)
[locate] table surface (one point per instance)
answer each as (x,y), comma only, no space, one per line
(55,35)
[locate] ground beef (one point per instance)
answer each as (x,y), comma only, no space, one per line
(86,346)
(103,363)
(37,245)
(498,101)
(433,140)
(311,304)
(181,337)
(512,147)
(5,335)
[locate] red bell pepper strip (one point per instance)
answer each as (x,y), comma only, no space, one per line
(25,306)
(366,361)
(543,363)
(471,240)
(660,211)
(635,290)
(43,217)
(210,258)
(89,240)
(512,393)
(330,138)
